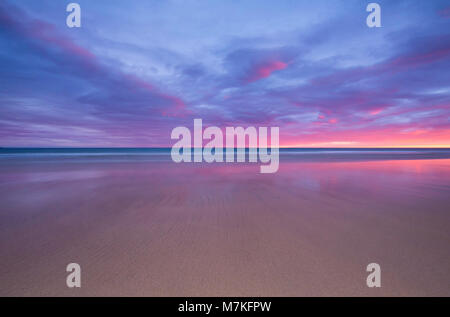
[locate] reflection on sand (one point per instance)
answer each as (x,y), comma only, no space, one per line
(152,227)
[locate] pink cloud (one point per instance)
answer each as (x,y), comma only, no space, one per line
(44,32)
(51,42)
(376,111)
(333,121)
(265,69)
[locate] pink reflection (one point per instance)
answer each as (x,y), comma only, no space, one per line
(226,223)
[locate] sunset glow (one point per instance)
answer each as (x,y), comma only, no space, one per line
(126,79)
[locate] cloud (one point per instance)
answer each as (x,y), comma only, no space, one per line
(111,83)
(264,70)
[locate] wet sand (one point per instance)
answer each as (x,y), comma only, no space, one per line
(155,228)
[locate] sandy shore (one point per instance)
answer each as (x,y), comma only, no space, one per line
(160,229)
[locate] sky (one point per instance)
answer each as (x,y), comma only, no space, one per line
(135,70)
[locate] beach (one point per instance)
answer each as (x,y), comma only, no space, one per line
(141,225)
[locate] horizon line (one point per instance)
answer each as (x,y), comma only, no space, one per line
(169,147)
